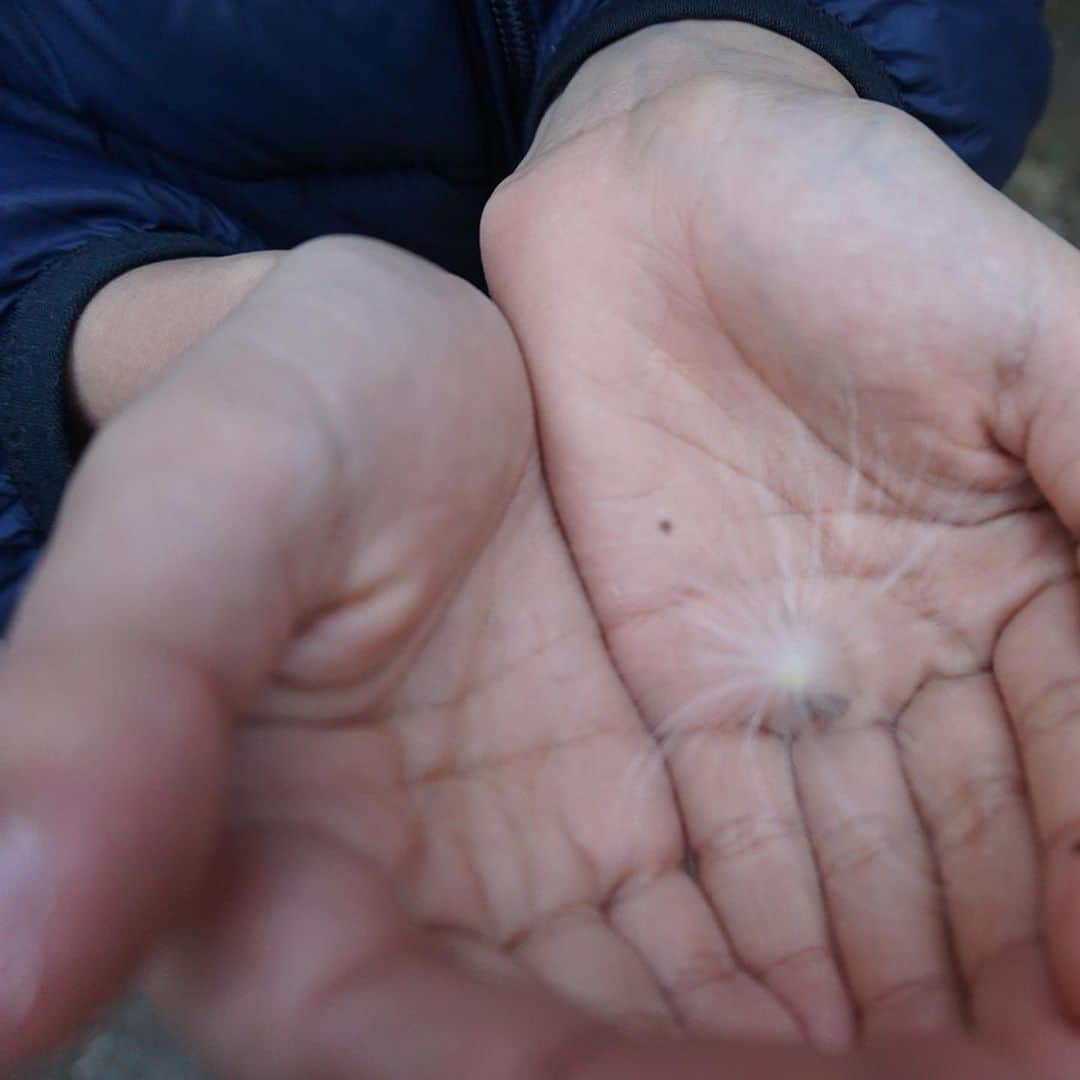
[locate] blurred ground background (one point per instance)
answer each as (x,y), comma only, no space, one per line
(131,1045)
(1048,182)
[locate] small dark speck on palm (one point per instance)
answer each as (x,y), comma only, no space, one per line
(665,525)
(1076,847)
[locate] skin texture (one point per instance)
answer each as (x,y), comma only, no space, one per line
(807,399)
(326,704)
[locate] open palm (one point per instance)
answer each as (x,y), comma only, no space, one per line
(805,401)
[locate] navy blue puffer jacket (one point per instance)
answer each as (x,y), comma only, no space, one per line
(139,130)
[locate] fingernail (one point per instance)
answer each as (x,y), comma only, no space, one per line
(24,901)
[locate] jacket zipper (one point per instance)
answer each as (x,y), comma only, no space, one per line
(517,37)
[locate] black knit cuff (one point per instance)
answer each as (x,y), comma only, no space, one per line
(798,20)
(39,440)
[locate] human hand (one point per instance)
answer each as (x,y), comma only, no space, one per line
(308,681)
(806,391)
(316,708)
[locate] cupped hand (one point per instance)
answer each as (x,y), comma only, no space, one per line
(308,683)
(809,397)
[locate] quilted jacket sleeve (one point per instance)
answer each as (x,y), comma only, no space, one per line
(975,71)
(71,219)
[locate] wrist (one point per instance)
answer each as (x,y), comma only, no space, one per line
(646,64)
(143,320)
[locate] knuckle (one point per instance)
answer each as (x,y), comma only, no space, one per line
(703,972)
(925,995)
(793,962)
(749,837)
(970,812)
(858,843)
(1052,709)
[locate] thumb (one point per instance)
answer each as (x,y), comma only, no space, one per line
(1037,658)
